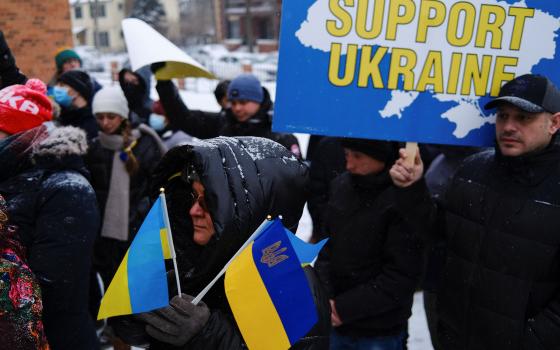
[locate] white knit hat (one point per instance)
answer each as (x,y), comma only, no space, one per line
(110,100)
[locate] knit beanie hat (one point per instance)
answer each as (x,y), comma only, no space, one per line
(23,107)
(384,151)
(79,81)
(110,100)
(245,87)
(64,55)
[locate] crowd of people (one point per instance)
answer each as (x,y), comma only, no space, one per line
(81,165)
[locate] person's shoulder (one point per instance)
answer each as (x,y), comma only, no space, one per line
(68,180)
(477,161)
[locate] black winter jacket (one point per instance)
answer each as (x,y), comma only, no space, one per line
(206,125)
(500,287)
(99,161)
(81,118)
(373,261)
(245,179)
(54,206)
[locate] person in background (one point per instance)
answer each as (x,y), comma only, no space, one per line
(373,260)
(500,285)
(160,123)
(21,308)
(220,92)
(136,87)
(121,160)
(50,200)
(65,60)
(73,93)
(250,113)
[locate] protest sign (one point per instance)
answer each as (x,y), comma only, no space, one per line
(408,70)
(146,46)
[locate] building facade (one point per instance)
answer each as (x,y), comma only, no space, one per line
(110,13)
(254,23)
(35,30)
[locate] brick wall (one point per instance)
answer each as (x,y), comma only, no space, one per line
(35,30)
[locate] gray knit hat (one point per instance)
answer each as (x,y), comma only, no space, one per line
(110,100)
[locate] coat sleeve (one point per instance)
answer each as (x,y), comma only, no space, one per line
(9,72)
(544,329)
(60,256)
(196,123)
(399,276)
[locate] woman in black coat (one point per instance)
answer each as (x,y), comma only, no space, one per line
(121,160)
(233,184)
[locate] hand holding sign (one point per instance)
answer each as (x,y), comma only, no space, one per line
(405,174)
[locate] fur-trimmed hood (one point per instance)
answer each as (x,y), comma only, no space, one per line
(45,145)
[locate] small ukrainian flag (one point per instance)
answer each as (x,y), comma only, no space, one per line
(140,284)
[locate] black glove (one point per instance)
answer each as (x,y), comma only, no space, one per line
(154,67)
(177,323)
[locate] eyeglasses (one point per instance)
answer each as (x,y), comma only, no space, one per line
(198,198)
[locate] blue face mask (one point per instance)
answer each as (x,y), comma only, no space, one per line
(157,122)
(61,96)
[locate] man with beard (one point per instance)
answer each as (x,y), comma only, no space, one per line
(500,287)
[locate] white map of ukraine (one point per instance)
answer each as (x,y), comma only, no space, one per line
(538,42)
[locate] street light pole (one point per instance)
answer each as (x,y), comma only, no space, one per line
(95,25)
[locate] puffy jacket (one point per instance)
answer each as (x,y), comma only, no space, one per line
(44,181)
(373,260)
(500,286)
(245,179)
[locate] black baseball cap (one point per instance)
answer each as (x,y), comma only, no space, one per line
(529,92)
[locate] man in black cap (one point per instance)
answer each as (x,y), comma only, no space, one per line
(500,287)
(372,263)
(73,93)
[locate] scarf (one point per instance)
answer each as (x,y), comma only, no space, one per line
(116,215)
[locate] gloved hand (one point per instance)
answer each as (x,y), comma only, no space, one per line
(177,323)
(154,67)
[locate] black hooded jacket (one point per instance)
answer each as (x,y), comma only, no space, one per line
(138,96)
(44,181)
(500,286)
(245,179)
(81,118)
(207,124)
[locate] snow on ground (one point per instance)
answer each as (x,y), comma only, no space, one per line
(199,95)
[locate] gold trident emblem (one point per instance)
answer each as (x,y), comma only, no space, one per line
(272,255)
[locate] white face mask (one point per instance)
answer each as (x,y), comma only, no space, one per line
(157,121)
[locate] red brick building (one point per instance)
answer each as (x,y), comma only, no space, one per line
(35,30)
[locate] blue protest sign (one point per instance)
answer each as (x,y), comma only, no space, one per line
(408,70)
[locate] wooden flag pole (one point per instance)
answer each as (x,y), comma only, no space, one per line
(411,151)
(170,238)
(201,295)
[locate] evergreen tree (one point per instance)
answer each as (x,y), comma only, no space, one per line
(149,11)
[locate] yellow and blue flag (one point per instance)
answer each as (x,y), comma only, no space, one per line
(268,292)
(140,283)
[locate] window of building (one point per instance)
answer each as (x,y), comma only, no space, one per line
(121,6)
(100,10)
(78,12)
(103,39)
(234,29)
(265,28)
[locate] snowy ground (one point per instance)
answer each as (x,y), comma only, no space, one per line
(198,95)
